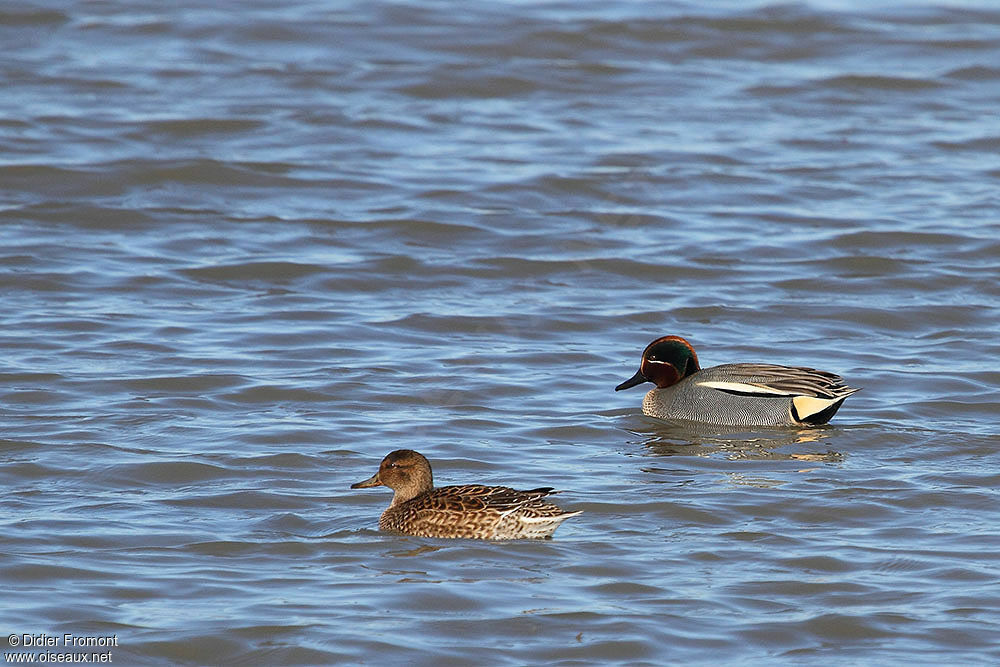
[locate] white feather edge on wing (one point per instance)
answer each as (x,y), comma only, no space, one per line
(744,388)
(559,518)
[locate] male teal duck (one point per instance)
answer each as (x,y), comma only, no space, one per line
(470,510)
(744,394)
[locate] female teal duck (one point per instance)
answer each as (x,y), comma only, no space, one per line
(734,394)
(470,510)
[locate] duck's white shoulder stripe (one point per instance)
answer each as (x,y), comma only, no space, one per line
(743,388)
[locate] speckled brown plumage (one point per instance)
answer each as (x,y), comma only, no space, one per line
(467,511)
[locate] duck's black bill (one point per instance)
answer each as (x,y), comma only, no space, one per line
(371,481)
(638,378)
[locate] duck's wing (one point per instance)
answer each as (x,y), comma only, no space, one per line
(774,380)
(478,497)
(815,395)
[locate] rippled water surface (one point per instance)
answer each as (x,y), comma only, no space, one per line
(250,248)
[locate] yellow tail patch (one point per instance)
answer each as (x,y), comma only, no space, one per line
(805,406)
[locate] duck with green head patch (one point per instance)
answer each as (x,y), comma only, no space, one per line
(741,394)
(470,510)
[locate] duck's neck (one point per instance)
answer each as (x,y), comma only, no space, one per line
(409,492)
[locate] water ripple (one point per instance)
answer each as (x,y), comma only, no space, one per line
(245,259)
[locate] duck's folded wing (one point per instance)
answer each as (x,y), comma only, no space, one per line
(773,380)
(477,497)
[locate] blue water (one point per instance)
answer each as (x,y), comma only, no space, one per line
(248,250)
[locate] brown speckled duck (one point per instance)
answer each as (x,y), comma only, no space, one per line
(469,510)
(743,394)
